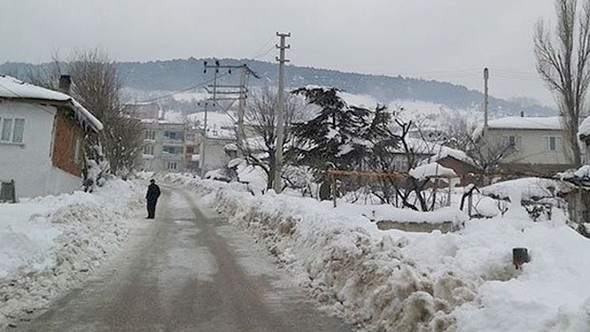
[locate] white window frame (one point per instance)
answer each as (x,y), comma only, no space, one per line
(514,141)
(172,166)
(148,150)
(552,143)
(150,135)
(11,136)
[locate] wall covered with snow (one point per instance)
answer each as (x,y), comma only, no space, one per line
(49,244)
(29,163)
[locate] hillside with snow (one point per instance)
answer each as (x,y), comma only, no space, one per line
(148,80)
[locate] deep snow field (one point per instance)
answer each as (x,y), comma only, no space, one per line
(382,280)
(50,244)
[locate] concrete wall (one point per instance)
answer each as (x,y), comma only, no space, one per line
(215,156)
(532,151)
(30,163)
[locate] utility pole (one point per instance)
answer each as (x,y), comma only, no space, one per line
(230,91)
(486,76)
(280,112)
(204,141)
(243,90)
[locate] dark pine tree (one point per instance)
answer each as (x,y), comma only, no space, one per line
(341,135)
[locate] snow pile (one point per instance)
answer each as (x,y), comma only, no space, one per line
(431,170)
(48,244)
(529,188)
(401,281)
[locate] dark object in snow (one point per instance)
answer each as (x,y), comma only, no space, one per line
(520,256)
(151,196)
(7,192)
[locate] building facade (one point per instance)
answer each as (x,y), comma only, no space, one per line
(164,146)
(42,136)
(533,144)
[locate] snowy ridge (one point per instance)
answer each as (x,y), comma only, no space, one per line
(402,281)
(49,244)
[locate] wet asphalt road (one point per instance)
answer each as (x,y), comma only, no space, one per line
(185,271)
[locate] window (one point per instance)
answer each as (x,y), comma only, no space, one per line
(77,151)
(171,165)
(552,143)
(150,135)
(149,150)
(175,135)
(19,129)
(514,142)
(6,130)
(12,130)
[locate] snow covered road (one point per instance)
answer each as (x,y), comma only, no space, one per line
(187,270)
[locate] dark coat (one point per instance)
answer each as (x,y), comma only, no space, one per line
(153,192)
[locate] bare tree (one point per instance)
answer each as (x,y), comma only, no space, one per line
(260,146)
(562,62)
(97,87)
(487,155)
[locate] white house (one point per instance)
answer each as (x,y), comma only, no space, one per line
(534,144)
(42,138)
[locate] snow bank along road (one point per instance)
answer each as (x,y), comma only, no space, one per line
(187,270)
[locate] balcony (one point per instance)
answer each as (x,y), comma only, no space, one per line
(172,156)
(172,141)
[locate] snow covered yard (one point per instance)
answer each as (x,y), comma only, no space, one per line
(48,244)
(401,281)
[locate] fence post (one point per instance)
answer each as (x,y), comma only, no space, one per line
(333,179)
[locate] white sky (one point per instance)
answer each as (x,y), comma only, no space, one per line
(449,40)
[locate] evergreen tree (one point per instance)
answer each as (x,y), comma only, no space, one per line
(341,135)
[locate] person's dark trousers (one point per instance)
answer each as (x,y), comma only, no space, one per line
(151,209)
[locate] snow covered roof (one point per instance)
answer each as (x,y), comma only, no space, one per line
(434,150)
(431,170)
(530,188)
(12,88)
(518,122)
(584,129)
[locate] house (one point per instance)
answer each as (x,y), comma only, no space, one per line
(42,138)
(422,151)
(164,146)
(533,145)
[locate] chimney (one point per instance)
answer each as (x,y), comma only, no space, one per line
(65,81)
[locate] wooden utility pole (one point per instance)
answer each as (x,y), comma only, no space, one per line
(486,76)
(280,112)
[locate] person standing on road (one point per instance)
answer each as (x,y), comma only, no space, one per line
(151,196)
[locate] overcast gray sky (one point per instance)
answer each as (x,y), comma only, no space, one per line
(449,40)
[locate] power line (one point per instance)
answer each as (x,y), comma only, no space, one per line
(201,84)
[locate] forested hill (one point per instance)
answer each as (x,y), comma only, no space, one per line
(176,75)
